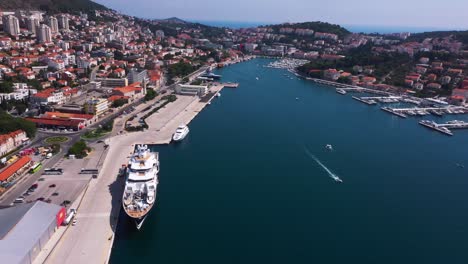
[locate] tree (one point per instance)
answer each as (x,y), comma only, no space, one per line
(21,108)
(119,102)
(79,149)
(9,124)
(6,87)
(168,56)
(150,94)
(344,80)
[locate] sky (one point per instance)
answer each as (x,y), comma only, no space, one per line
(437,14)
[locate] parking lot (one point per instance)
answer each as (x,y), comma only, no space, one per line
(56,189)
(68,185)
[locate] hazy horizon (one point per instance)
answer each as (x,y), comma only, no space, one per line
(397,13)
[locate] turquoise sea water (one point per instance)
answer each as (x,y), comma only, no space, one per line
(242,187)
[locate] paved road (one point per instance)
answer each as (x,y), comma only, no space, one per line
(27,180)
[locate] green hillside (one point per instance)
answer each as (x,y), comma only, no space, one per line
(51,5)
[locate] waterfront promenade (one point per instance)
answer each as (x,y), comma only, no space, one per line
(90,241)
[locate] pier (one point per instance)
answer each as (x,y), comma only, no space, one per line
(437,111)
(230,85)
(429,108)
(391,111)
(455,125)
(445,127)
(366,101)
(384,99)
(90,241)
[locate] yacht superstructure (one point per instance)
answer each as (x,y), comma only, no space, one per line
(141,184)
(180,133)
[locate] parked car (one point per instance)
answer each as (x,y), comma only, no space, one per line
(52,186)
(55,194)
(19,200)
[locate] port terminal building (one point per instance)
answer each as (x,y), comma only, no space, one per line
(25,230)
(186,89)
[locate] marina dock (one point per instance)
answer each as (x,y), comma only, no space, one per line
(391,111)
(230,85)
(437,111)
(366,101)
(384,99)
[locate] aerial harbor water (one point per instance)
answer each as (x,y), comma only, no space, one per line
(253,182)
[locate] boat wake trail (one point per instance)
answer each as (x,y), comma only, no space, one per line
(330,173)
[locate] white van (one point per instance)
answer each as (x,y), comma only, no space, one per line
(19,200)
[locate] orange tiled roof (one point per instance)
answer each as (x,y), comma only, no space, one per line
(116,97)
(10,170)
(60,115)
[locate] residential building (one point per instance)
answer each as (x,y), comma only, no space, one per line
(96,106)
(32,24)
(63,22)
(129,91)
(11,141)
(11,25)
(250,47)
(331,74)
(48,96)
(445,79)
(112,82)
(53,24)
(435,86)
(135,76)
(44,34)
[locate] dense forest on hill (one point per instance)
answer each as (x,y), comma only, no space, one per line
(9,123)
(458,35)
(316,26)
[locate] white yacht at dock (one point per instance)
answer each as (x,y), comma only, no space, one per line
(141,184)
(180,133)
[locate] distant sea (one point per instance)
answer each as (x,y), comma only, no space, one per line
(352,28)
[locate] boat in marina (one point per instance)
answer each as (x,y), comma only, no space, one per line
(180,133)
(141,184)
(329,147)
(341,91)
(210,75)
(436,127)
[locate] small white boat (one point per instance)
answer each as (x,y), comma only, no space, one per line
(337,179)
(297,98)
(257,78)
(329,147)
(218,95)
(181,132)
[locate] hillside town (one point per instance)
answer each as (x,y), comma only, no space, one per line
(67,79)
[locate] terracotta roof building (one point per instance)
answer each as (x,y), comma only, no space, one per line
(10,141)
(16,168)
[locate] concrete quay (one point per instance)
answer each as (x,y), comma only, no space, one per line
(91,239)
